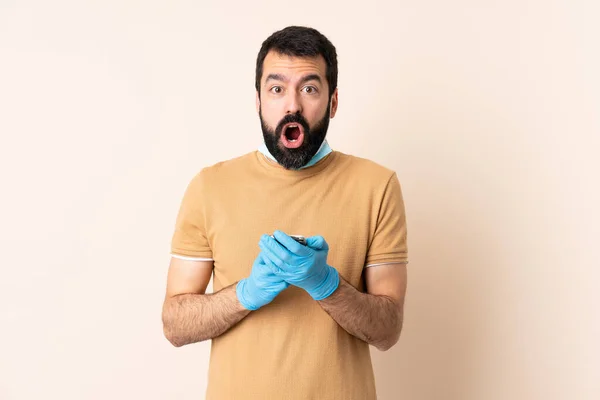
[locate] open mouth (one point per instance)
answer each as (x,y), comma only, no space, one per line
(292,135)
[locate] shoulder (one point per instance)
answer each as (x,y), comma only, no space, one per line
(363,169)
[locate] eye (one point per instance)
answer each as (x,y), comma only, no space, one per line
(276,89)
(309,89)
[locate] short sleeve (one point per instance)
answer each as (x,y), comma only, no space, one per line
(389,243)
(189,240)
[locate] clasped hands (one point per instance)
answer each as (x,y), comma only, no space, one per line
(285,262)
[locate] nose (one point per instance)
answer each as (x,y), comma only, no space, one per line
(293,105)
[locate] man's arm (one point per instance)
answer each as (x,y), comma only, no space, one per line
(376,316)
(189,315)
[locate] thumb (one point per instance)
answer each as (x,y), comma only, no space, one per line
(317,242)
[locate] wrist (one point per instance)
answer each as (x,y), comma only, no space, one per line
(242,293)
(327,286)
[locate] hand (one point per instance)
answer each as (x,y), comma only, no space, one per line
(302,266)
(261,287)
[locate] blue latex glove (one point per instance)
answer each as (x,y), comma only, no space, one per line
(302,266)
(261,287)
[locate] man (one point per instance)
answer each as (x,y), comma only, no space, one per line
(287,320)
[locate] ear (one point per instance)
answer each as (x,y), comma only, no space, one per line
(334,103)
(257,102)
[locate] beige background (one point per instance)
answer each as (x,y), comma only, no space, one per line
(489,111)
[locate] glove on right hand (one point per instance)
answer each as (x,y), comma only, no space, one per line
(261,287)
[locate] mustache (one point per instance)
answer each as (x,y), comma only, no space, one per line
(292,118)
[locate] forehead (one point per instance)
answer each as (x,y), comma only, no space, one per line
(293,67)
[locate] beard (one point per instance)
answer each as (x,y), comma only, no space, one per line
(313,138)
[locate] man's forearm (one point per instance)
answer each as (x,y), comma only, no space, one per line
(375,319)
(191,318)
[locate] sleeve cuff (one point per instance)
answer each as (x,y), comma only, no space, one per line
(386,263)
(188,258)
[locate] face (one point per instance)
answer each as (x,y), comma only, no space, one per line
(294,107)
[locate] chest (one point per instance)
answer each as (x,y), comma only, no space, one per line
(345,215)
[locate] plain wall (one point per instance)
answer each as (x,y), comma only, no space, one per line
(489,111)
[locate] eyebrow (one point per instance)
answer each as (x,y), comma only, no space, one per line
(279,77)
(311,77)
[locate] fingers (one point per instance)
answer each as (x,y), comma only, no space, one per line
(291,244)
(278,253)
(317,242)
(272,254)
(270,264)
